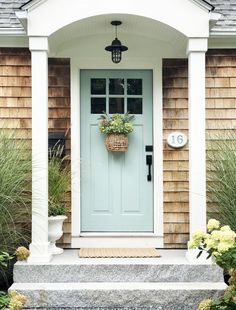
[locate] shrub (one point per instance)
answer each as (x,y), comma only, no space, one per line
(12,300)
(4,300)
(4,259)
(5,270)
(17,301)
(219,242)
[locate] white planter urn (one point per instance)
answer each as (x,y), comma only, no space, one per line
(55,232)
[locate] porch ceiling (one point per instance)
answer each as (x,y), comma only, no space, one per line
(94,33)
(132,24)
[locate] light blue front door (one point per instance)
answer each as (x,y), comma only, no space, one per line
(116,188)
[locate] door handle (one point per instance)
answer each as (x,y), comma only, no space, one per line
(149,164)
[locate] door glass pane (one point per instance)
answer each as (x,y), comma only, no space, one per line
(135,105)
(116,105)
(134,86)
(98,86)
(98,105)
(116,86)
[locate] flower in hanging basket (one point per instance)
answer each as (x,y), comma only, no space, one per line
(117,127)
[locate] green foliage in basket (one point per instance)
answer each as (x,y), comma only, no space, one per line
(116,123)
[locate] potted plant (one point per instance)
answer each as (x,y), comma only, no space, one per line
(117,127)
(58,186)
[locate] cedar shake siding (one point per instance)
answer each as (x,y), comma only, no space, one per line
(220,91)
(15,99)
(15,113)
(175,118)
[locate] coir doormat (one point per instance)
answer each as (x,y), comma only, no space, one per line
(117,252)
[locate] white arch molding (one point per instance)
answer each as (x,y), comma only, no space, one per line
(48,16)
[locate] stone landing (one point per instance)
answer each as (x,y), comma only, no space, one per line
(166,283)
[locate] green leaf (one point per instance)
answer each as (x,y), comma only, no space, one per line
(199,254)
(209,255)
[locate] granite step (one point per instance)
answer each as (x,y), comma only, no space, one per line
(162,296)
(116,272)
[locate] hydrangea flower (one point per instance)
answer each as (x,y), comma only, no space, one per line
(225,228)
(216,234)
(22,253)
(205,304)
(17,301)
(228,236)
(211,243)
(219,243)
(213,224)
(223,247)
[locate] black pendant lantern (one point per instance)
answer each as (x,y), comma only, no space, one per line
(116,48)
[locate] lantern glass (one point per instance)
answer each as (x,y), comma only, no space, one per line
(116,55)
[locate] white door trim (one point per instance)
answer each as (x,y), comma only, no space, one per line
(79,239)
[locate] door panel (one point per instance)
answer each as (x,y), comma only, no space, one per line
(115,193)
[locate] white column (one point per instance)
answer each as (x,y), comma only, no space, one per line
(75,153)
(197,145)
(39,246)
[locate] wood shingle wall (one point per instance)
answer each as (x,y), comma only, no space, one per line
(175,118)
(220,91)
(15,90)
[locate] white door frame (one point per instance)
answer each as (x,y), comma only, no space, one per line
(79,239)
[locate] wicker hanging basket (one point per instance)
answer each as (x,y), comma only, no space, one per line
(117,142)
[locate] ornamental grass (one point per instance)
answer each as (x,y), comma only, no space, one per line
(15,199)
(15,194)
(221,178)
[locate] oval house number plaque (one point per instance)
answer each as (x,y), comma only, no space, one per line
(176,140)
